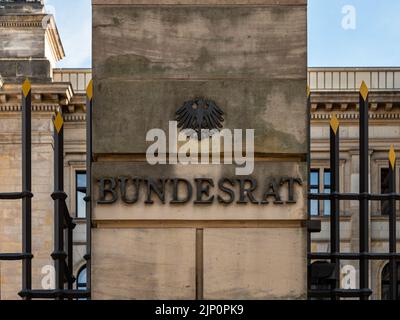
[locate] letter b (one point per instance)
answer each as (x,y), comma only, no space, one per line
(108,195)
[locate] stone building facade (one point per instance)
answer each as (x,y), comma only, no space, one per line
(335,91)
(30,47)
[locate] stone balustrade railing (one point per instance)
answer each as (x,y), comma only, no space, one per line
(79,78)
(349,79)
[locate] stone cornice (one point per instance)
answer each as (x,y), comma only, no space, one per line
(54,39)
(42,21)
(60,93)
(343,101)
(22,21)
(47,97)
(355,116)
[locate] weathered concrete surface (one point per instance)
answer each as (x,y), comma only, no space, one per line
(255,263)
(199,2)
(199,42)
(264,171)
(144,264)
(250,59)
(126,110)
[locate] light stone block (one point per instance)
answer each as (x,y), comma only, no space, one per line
(143,264)
(254,263)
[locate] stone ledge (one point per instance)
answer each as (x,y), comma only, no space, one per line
(199,2)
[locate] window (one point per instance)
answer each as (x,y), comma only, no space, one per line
(80,194)
(327,189)
(81,279)
(317,187)
(386,282)
(385,189)
(314,188)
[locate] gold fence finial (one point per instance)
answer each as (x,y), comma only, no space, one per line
(392,157)
(89,90)
(58,122)
(26,87)
(334,123)
(364,91)
(308,91)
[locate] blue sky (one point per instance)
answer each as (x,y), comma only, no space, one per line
(334,37)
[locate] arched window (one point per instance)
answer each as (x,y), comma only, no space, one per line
(81,278)
(385,281)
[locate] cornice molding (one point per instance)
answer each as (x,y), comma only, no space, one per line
(355,116)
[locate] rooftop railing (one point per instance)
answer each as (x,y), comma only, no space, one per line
(349,79)
(79,78)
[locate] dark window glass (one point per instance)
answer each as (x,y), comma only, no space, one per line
(327,189)
(81,279)
(385,189)
(80,194)
(386,282)
(314,188)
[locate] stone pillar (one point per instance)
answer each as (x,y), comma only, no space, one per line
(249,58)
(29,41)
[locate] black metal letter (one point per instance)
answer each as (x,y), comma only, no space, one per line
(247,192)
(204,190)
(152,186)
(123,181)
(223,188)
(272,191)
(104,191)
(291,182)
(175,195)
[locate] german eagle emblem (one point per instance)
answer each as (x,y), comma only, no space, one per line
(200,114)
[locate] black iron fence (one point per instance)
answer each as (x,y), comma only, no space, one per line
(63,222)
(324,278)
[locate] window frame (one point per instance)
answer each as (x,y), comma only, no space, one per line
(77,191)
(386,268)
(326,203)
(315,186)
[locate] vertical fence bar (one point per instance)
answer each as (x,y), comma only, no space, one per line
(308,179)
(70,256)
(392,224)
(26,185)
(89,106)
(335,204)
(59,196)
(364,181)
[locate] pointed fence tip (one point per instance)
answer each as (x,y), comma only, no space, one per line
(334,123)
(26,87)
(58,122)
(392,157)
(89,90)
(364,91)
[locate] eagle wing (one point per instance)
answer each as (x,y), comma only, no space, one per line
(214,116)
(185,115)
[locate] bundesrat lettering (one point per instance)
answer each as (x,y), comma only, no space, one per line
(200,190)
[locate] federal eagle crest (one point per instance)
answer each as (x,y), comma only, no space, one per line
(199,114)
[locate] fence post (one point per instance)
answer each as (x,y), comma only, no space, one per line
(88,199)
(392,224)
(334,203)
(364,180)
(26,186)
(59,196)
